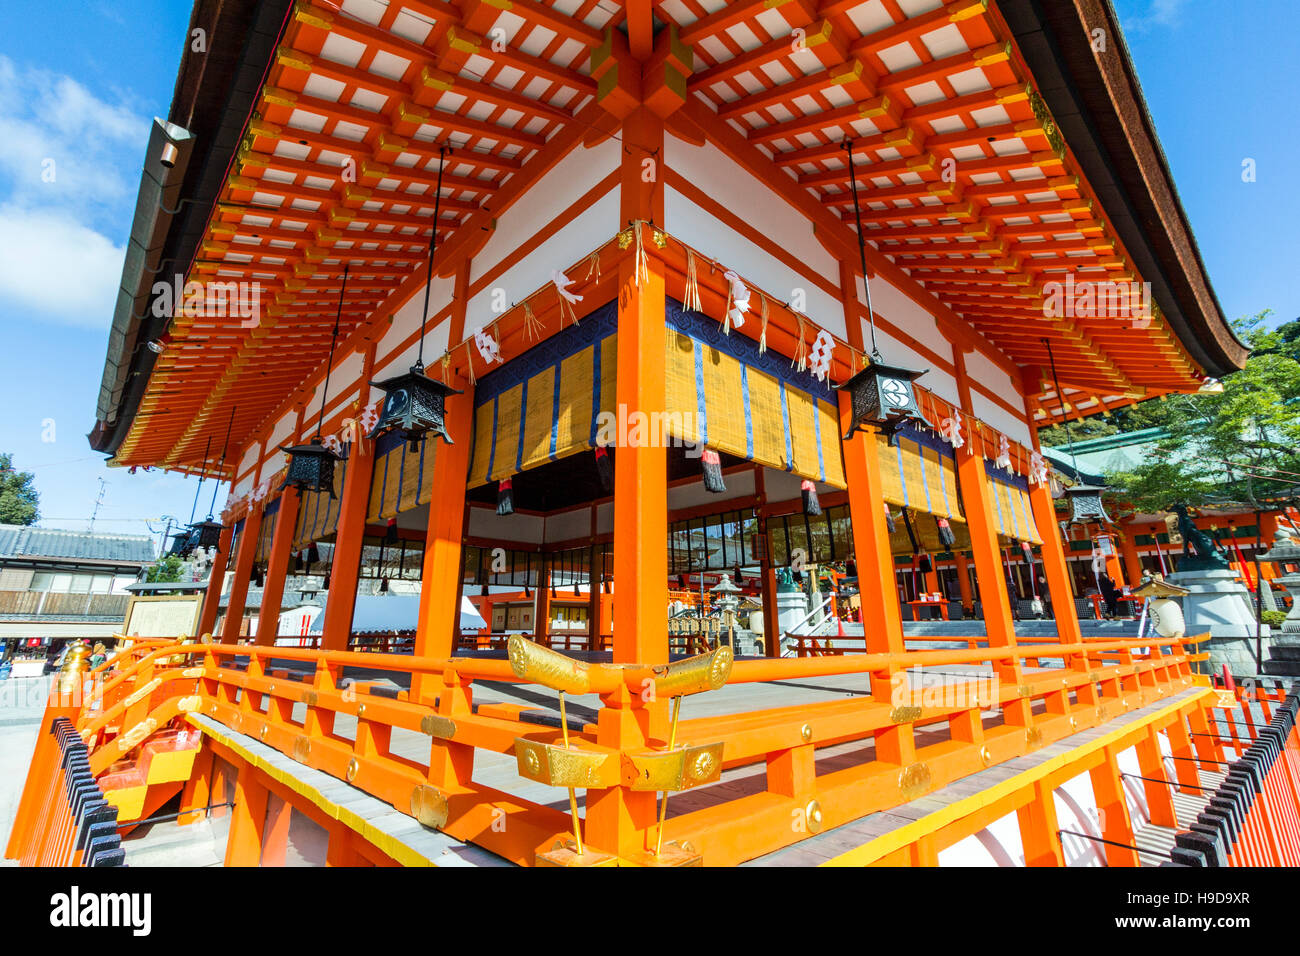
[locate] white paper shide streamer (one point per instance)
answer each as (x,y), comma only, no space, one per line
(738,294)
(819,359)
(487,346)
(950,430)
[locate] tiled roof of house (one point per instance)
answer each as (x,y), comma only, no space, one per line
(20,541)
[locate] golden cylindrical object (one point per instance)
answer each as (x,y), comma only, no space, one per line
(75,664)
(541,665)
(694,675)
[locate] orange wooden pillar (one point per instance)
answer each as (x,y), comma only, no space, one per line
(439,621)
(881,616)
(1114,567)
(346,568)
(1055,567)
(1116,824)
(216,582)
(232,628)
(641,472)
(277,570)
(1038,829)
(244,844)
(977,499)
(621,820)
(882,619)
(963,581)
(542,605)
(1128,551)
(196,795)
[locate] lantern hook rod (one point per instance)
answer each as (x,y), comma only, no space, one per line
(862,252)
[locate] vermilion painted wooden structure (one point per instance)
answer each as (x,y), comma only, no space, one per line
(663,161)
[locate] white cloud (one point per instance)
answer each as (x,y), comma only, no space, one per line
(56,269)
(69,165)
(60,145)
(1159,13)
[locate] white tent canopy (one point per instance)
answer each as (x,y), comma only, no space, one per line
(375,614)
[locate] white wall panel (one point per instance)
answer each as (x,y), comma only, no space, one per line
(544,200)
(569,244)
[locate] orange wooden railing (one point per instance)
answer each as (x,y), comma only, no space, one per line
(156,684)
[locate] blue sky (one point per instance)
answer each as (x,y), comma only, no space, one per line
(80,82)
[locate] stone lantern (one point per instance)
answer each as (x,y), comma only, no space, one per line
(725,595)
(1286,550)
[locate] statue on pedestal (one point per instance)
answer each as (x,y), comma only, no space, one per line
(1200,551)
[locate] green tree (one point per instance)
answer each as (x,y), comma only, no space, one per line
(19,501)
(166,570)
(1240,445)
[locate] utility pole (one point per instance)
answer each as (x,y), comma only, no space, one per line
(98,501)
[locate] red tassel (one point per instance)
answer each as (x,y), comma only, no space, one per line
(505,497)
(605,468)
(889,519)
(712,465)
(946,537)
(811,506)
(390,536)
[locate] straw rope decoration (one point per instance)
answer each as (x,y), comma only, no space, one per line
(801,349)
(642,263)
(762,332)
(566,311)
(532,324)
(726,313)
(692,296)
(593,266)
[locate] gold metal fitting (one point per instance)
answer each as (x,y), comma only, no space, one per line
(435,725)
(429,806)
(673,770)
(301,748)
(812,815)
(913,780)
(353,767)
(561,767)
(694,675)
(541,665)
(904,714)
(805,732)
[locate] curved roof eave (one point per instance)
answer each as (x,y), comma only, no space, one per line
(1099,107)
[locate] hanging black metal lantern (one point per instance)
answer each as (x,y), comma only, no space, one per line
(206,534)
(1086,505)
(311,468)
(414,403)
(883,395)
(182,544)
